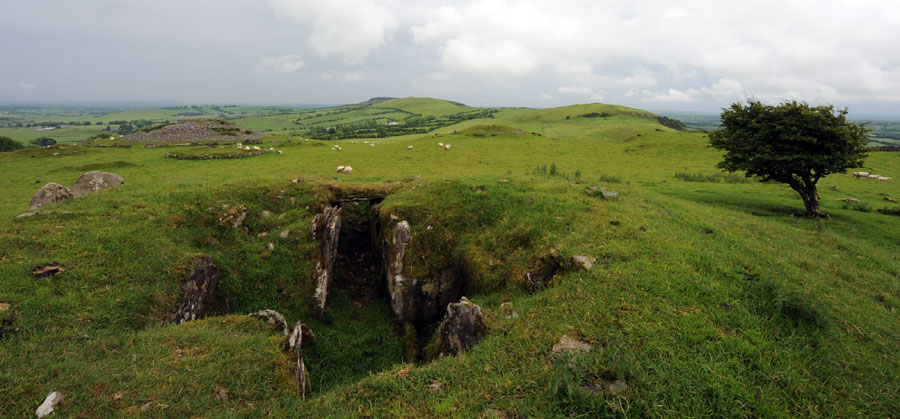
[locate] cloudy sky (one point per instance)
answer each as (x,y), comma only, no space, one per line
(678,55)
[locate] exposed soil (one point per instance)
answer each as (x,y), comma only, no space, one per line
(196,130)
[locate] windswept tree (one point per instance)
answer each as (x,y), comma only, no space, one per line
(791,143)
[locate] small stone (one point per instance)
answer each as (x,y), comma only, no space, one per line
(506,310)
(46,270)
(584,262)
(889,199)
(284,234)
(263,234)
(851,200)
(607,194)
(270,246)
(569,344)
(4,306)
(222,395)
(146,406)
(435,386)
(266,214)
(47,407)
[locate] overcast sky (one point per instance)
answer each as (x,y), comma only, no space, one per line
(688,55)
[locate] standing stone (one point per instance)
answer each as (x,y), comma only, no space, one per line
(197,292)
(326,229)
(462,328)
(51,193)
(95,181)
(295,342)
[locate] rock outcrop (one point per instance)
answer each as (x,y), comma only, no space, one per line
(463,326)
(95,181)
(274,319)
(326,230)
(51,193)
(198,292)
(415,299)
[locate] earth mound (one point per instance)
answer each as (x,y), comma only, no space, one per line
(196,130)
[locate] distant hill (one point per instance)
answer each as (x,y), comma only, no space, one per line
(425,106)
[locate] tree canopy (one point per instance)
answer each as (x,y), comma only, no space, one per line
(791,143)
(8,144)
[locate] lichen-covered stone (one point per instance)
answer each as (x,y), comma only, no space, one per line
(95,181)
(198,292)
(326,229)
(51,193)
(463,326)
(274,319)
(49,404)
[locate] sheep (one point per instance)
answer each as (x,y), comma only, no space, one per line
(340,169)
(344,169)
(409,147)
(255,148)
(246,148)
(447,147)
(239,144)
(336,147)
(873,177)
(271,148)
(859,175)
(440,144)
(883,178)
(279,152)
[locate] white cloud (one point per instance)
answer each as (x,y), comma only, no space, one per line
(345,29)
(281,64)
(578,90)
(352,77)
(670,96)
(24,85)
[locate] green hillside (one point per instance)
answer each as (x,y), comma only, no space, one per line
(711,295)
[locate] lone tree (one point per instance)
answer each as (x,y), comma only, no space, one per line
(791,143)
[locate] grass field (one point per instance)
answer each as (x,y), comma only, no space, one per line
(709,299)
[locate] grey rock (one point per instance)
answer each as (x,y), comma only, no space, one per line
(198,292)
(50,194)
(301,334)
(462,328)
(49,404)
(274,319)
(507,311)
(326,229)
(95,181)
(889,199)
(584,262)
(607,194)
(851,200)
(568,344)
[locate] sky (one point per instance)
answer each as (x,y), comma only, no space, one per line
(674,55)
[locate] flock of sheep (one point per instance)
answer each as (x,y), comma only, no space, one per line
(867,175)
(240,146)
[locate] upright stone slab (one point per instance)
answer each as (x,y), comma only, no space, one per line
(463,326)
(50,194)
(95,181)
(326,229)
(198,291)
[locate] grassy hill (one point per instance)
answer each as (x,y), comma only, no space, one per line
(709,298)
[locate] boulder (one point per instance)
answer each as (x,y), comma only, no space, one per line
(51,193)
(850,200)
(47,407)
(326,229)
(463,326)
(95,181)
(198,291)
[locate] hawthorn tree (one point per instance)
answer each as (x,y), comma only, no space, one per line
(791,143)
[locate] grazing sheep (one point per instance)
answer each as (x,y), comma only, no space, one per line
(409,147)
(348,169)
(239,144)
(883,178)
(246,148)
(340,169)
(447,147)
(255,148)
(373,144)
(873,177)
(271,148)
(859,175)
(336,147)
(366,142)
(440,144)
(279,152)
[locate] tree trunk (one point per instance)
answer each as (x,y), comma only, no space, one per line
(809,192)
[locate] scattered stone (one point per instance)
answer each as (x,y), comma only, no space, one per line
(147,405)
(326,229)
(851,200)
(506,310)
(198,291)
(284,234)
(4,306)
(462,328)
(49,404)
(607,194)
(234,217)
(49,269)
(51,193)
(263,234)
(95,181)
(889,199)
(568,344)
(270,246)
(266,214)
(222,395)
(274,319)
(614,386)
(584,262)
(435,385)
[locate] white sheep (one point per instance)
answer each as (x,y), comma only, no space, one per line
(409,147)
(373,144)
(859,175)
(239,144)
(271,148)
(279,152)
(340,169)
(447,147)
(255,148)
(348,169)
(246,148)
(440,144)
(873,177)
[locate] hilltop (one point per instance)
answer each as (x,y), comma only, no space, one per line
(707,296)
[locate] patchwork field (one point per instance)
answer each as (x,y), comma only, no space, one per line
(710,296)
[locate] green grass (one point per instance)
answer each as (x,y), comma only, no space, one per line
(709,299)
